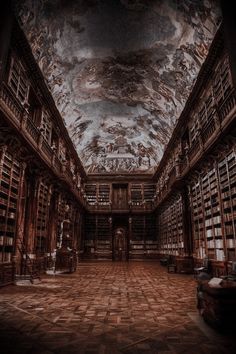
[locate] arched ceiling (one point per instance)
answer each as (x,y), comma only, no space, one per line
(120,71)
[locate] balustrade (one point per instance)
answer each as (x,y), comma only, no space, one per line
(11,102)
(32,130)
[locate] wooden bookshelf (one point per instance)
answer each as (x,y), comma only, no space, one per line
(151,237)
(222,81)
(143,237)
(42,218)
(91,194)
(103,237)
(136,194)
(198,219)
(104,195)
(17,79)
(90,235)
(149,191)
(227,185)
(137,237)
(46,126)
(170,227)
(61,207)
(213,207)
(10,174)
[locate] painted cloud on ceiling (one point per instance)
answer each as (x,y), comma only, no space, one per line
(120,71)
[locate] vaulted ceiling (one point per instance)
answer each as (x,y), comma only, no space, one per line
(120,71)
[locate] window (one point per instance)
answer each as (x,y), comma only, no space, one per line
(18,81)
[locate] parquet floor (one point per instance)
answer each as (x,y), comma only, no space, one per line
(107,308)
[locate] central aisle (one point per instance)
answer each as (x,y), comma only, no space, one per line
(107,308)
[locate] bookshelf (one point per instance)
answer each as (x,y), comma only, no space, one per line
(222,82)
(213,207)
(198,219)
(61,216)
(103,237)
(91,193)
(137,237)
(17,80)
(170,227)
(193,130)
(205,109)
(149,191)
(227,184)
(65,222)
(10,174)
(143,237)
(90,232)
(136,194)
(42,218)
(104,194)
(151,243)
(142,193)
(46,126)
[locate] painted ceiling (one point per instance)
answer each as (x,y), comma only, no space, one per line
(120,71)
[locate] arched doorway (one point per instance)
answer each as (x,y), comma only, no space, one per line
(120,244)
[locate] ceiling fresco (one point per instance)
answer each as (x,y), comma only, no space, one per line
(120,71)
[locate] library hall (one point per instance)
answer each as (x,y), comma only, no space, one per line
(117,177)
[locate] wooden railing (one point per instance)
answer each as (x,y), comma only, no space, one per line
(8,99)
(22,119)
(202,142)
(32,130)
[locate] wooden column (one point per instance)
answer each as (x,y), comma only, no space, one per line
(33,183)
(111,236)
(73,227)
(53,220)
(129,236)
(82,232)
(77,241)
(20,223)
(187,230)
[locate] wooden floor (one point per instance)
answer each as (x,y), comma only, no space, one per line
(107,308)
